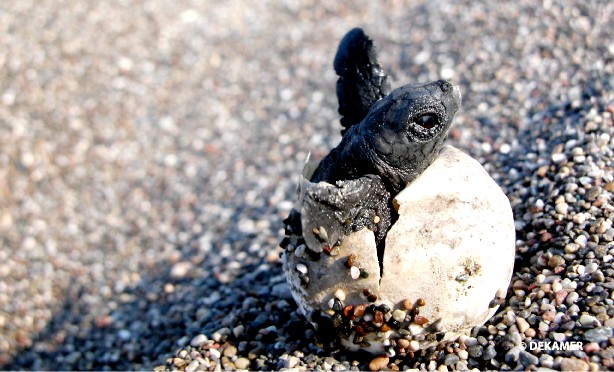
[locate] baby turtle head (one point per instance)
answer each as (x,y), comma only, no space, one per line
(405,130)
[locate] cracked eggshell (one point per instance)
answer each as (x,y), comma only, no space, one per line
(453,246)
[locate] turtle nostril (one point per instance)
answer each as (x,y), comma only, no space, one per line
(445,86)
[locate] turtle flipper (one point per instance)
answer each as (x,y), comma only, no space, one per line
(362,81)
(331,212)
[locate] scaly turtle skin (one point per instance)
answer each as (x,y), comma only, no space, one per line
(388,140)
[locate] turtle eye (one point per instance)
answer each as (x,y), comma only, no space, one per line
(427,121)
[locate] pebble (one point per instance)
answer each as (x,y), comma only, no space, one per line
(587,320)
(592,267)
(463,354)
(599,334)
(199,340)
(398,315)
(527,359)
(238,330)
(242,363)
(379,363)
(512,355)
(451,359)
(558,336)
(302,268)
(214,354)
(475,351)
(230,351)
(192,366)
(181,269)
(489,353)
(522,324)
(558,158)
(340,294)
(573,364)
(354,272)
(414,345)
(546,360)
(591,347)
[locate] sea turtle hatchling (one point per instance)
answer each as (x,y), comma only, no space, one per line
(389,138)
(397,242)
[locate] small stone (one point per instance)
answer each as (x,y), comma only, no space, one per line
(539,279)
(398,315)
(482,340)
(300,251)
(561,208)
(242,363)
(530,332)
(291,362)
(592,267)
(591,347)
(512,355)
(560,296)
(546,360)
(178,362)
(597,277)
(599,334)
(379,363)
(378,318)
(558,336)
(558,158)
(359,310)
(555,261)
(421,302)
(581,240)
(450,359)
(181,269)
(124,334)
(593,193)
(489,353)
(414,345)
(238,330)
(573,364)
(192,366)
(420,320)
(403,343)
(557,286)
(354,272)
(322,234)
(199,340)
(230,351)
(587,320)
(522,324)
(407,305)
(215,354)
(351,260)
(475,351)
(302,268)
(340,294)
(527,359)
(463,354)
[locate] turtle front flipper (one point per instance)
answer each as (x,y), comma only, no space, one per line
(362,81)
(331,212)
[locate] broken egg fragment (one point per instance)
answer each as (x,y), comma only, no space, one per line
(446,267)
